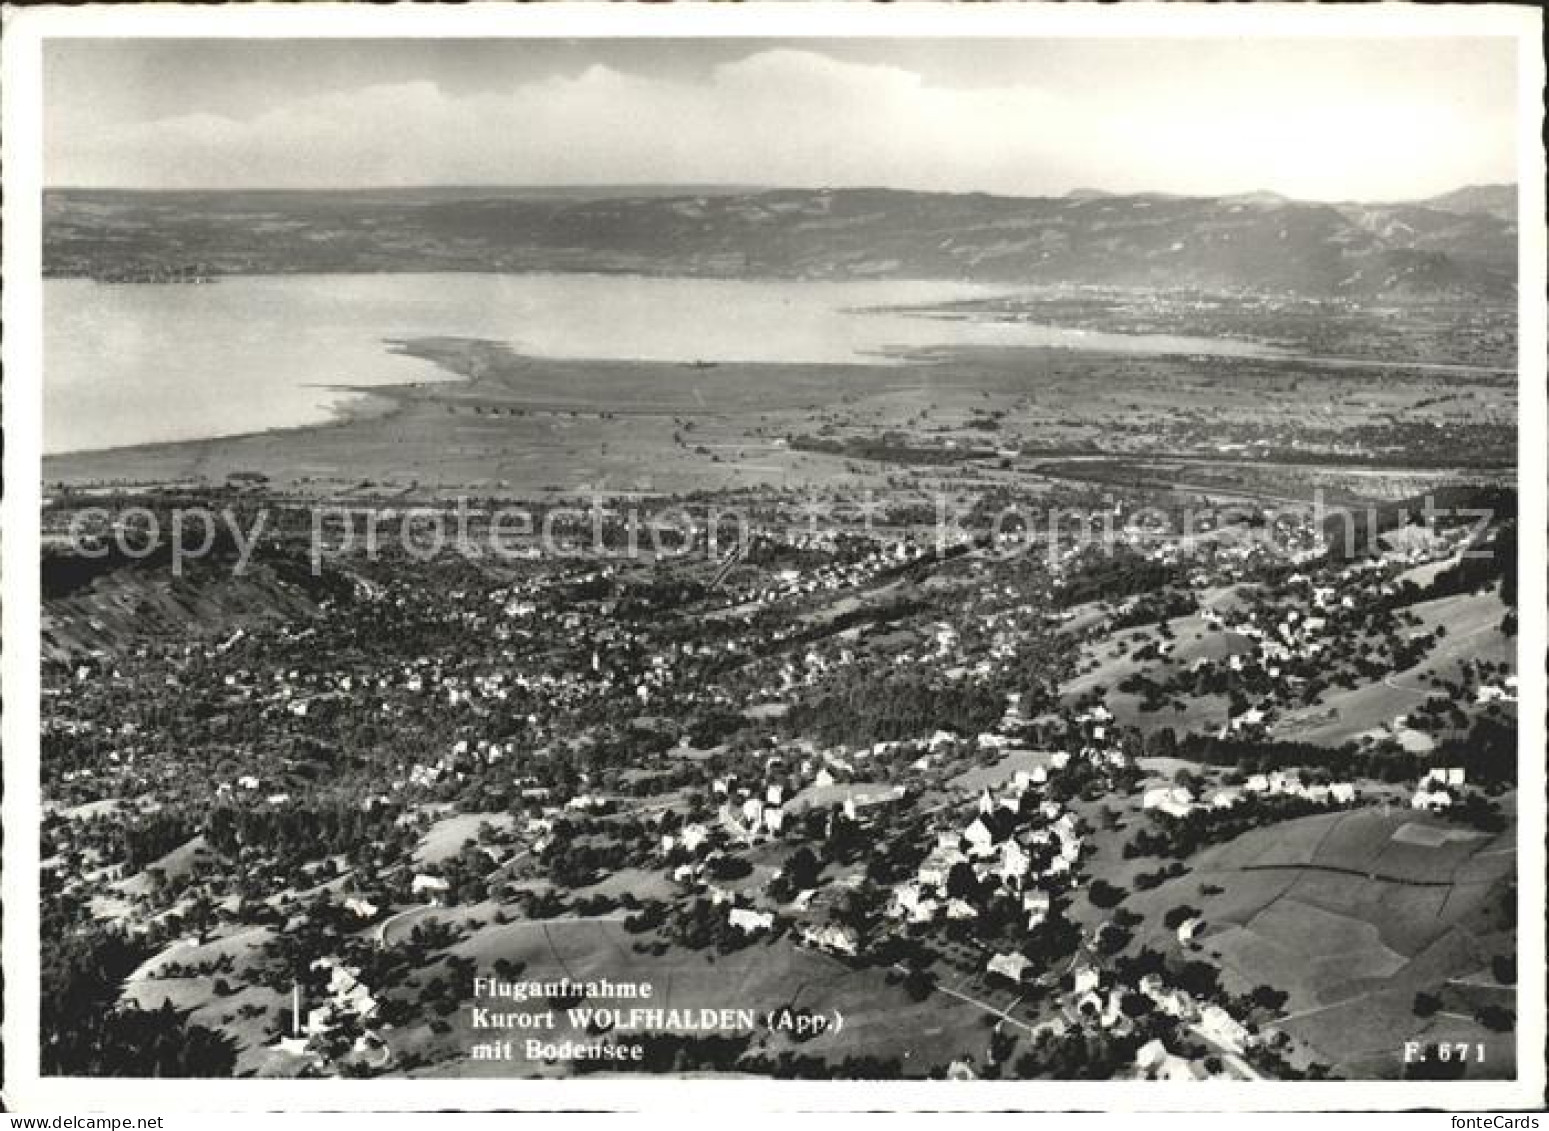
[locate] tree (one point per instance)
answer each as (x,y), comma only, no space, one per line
(1198,978)
(961,881)
(1112,938)
(1136,1005)
(802,870)
(919,984)
(1267,997)
(1426,1004)
(1495,1018)
(1105,895)
(1162,743)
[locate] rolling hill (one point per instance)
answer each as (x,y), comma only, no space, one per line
(1499,201)
(1257,242)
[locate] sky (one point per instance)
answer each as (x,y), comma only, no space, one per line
(1315,119)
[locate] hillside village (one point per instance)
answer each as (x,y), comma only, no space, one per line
(1017,790)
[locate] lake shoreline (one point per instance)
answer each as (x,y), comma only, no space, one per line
(504,396)
(141,363)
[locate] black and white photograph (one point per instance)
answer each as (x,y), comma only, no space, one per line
(881,557)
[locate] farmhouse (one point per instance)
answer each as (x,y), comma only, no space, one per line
(363,908)
(1026,779)
(1222,1028)
(959,909)
(834,937)
(1036,904)
(1154,1062)
(1251,719)
(748,921)
(1174,801)
(961,1070)
(868,804)
(1108,1013)
(1012,967)
(919,908)
(1014,862)
(347,996)
(936,867)
(434,886)
(1174,1003)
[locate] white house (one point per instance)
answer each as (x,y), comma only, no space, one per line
(1153,1061)
(1174,800)
(1014,862)
(1025,779)
(1175,1003)
(1252,717)
(1012,966)
(833,937)
(909,901)
(434,886)
(346,995)
(748,921)
(1221,1027)
(1151,1055)
(363,908)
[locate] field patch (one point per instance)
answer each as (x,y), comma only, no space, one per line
(1429,836)
(445,839)
(1315,954)
(174,866)
(1352,913)
(994,776)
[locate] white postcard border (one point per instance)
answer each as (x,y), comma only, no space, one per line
(24,31)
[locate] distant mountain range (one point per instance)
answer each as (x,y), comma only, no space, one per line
(1461,245)
(1499,201)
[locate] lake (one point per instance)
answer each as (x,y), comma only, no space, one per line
(138,363)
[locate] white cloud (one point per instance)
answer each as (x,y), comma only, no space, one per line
(800,117)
